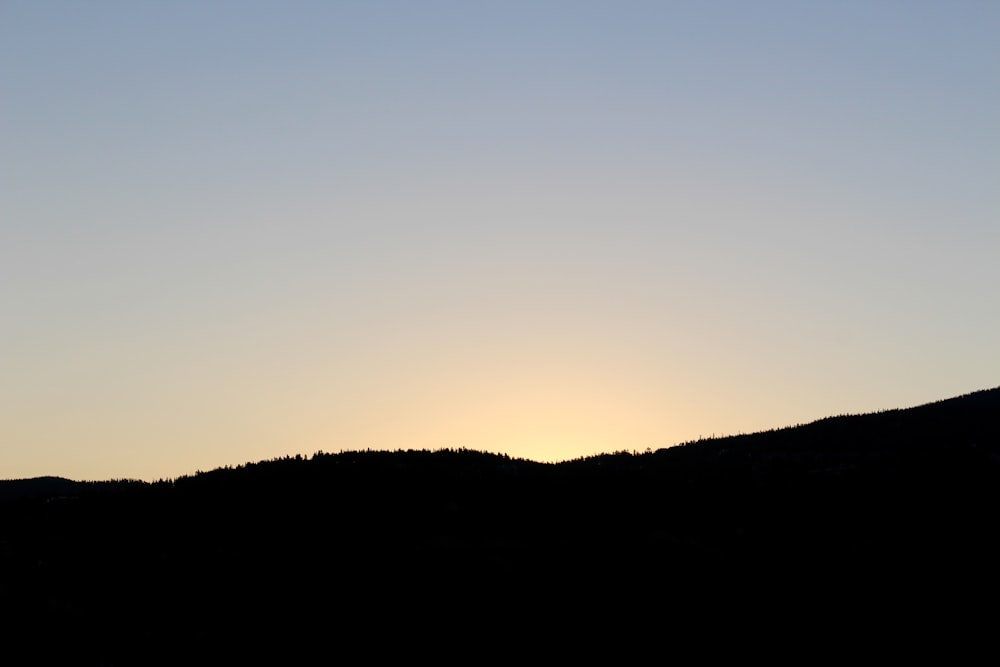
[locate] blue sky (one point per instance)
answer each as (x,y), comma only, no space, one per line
(238,230)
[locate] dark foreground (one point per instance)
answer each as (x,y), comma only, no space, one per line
(876,530)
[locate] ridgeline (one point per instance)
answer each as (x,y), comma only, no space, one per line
(891,513)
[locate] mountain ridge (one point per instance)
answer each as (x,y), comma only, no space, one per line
(978,400)
(850,521)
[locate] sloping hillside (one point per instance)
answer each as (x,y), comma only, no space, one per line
(888,512)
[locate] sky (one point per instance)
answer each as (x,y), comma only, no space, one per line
(232,231)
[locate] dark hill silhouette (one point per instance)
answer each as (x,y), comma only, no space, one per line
(37,487)
(828,527)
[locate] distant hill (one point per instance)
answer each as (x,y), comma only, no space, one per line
(891,513)
(37,487)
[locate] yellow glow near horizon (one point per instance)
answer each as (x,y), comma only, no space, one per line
(551,234)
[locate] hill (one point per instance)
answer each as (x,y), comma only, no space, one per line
(37,487)
(842,521)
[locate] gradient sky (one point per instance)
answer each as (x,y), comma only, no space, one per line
(237,230)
